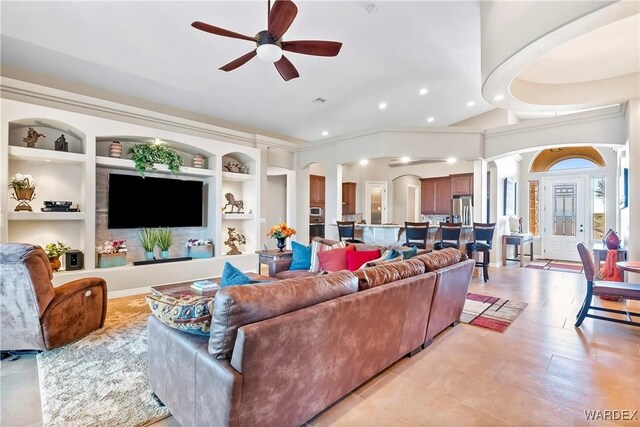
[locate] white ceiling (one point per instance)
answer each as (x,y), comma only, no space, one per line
(609,51)
(149,50)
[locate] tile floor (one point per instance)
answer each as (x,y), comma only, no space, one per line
(540,372)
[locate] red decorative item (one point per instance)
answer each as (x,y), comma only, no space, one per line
(611,240)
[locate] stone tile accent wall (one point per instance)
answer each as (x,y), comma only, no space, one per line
(136,253)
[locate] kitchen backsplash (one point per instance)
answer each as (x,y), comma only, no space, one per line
(357,217)
(434,219)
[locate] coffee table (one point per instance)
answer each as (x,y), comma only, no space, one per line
(184,288)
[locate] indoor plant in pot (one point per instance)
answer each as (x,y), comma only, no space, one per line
(54,251)
(280,232)
(113,253)
(148,239)
(200,248)
(165,240)
(144,157)
(23,187)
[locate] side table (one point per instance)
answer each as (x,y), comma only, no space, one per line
(518,240)
(265,257)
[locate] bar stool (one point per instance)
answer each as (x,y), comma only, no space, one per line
(347,230)
(449,235)
(482,242)
(416,234)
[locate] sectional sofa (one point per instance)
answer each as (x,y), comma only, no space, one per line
(280,353)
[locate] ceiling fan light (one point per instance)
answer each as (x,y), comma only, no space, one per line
(269,52)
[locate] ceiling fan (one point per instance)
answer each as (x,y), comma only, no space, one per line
(270,44)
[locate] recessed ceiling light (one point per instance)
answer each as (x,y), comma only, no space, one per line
(430,119)
(451,160)
(47,160)
(405,159)
(498,98)
(382,105)
(364,162)
(325,133)
(423,91)
(470,104)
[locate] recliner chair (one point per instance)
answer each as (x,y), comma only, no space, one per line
(35,315)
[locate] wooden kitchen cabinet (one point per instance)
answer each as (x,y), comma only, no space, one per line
(317,184)
(348,198)
(435,195)
(461,184)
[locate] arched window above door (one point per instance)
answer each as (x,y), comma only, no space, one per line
(554,159)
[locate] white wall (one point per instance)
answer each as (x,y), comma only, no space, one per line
(491,119)
(276,199)
(400,200)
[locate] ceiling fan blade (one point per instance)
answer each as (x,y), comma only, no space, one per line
(220,31)
(238,62)
(313,47)
(281,17)
(286,69)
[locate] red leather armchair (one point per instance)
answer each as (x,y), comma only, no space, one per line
(34,315)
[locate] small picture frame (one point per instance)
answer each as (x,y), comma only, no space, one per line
(510,187)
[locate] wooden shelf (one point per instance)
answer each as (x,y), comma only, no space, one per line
(126,164)
(234,176)
(46,216)
(237,216)
(41,155)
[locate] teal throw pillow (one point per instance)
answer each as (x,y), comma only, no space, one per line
(231,276)
(391,254)
(301,257)
(410,253)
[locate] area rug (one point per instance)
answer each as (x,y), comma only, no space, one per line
(555,265)
(490,312)
(102,379)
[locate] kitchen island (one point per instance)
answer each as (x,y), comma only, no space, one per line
(393,234)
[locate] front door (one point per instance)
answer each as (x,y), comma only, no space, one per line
(563,216)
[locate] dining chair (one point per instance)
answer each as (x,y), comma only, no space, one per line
(347,231)
(449,235)
(482,242)
(416,234)
(605,289)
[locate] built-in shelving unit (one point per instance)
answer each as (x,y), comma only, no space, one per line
(80,175)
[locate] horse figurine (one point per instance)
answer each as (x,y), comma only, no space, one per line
(234,237)
(32,137)
(231,201)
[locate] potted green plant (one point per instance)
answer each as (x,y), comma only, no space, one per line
(54,251)
(23,187)
(165,240)
(144,157)
(149,240)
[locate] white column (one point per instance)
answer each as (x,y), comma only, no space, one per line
(633,243)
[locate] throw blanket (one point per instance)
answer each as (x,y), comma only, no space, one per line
(609,271)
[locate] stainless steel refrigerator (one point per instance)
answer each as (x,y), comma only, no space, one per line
(462,209)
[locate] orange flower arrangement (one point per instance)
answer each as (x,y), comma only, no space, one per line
(280,231)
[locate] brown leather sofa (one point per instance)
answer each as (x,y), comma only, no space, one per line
(281,352)
(36,316)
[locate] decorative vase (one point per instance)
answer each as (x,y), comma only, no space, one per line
(149,255)
(115,149)
(164,254)
(117,259)
(55,263)
(281,243)
(23,196)
(611,240)
(198,161)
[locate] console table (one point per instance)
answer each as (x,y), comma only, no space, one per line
(518,240)
(180,289)
(265,257)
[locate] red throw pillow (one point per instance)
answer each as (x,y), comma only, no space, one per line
(335,259)
(355,259)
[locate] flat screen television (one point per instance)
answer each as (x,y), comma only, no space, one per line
(136,202)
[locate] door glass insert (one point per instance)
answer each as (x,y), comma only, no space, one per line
(564,209)
(376,205)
